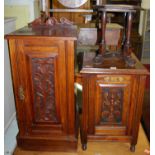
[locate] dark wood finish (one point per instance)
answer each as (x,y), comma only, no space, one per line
(135,39)
(42,62)
(127,44)
(65,32)
(103,42)
(125,54)
(146,106)
(112,100)
(127,9)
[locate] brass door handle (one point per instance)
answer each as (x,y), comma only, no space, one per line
(21,93)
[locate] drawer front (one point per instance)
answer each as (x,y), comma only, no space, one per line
(111,104)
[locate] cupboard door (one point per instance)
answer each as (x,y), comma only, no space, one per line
(43,87)
(111,104)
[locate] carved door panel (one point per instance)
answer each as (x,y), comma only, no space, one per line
(43,82)
(112,105)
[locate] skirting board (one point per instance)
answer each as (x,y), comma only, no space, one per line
(10,137)
(9,122)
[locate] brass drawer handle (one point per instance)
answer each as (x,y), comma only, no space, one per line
(21,93)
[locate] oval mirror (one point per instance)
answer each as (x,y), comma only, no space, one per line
(72,3)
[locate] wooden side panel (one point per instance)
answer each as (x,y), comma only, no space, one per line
(85,113)
(70,85)
(92,105)
(138,108)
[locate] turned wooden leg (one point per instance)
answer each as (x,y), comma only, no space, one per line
(127,45)
(132,148)
(124,30)
(102,47)
(84,146)
(84,117)
(83,140)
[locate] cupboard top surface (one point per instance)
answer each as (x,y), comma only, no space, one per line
(111,66)
(63,31)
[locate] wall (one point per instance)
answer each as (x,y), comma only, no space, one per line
(144,31)
(10,125)
(9,104)
(25,11)
(146,5)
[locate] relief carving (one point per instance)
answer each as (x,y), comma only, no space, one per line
(44,89)
(113,79)
(112,102)
(116,79)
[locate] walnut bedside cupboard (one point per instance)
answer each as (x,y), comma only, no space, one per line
(112,100)
(42,61)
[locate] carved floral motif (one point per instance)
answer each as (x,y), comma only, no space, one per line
(44,89)
(112,102)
